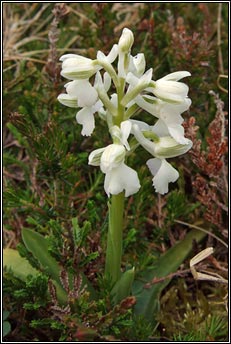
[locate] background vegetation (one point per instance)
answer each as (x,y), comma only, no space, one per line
(49,187)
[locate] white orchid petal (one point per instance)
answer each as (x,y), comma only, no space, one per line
(160,128)
(100,56)
(86,118)
(147,76)
(147,106)
(171,90)
(168,147)
(139,63)
(121,178)
(110,58)
(176,76)
(114,99)
(143,141)
(106,81)
(98,106)
(132,79)
(163,174)
(73,56)
(143,126)
(85,92)
(125,130)
(95,157)
(177,132)
(113,53)
(67,100)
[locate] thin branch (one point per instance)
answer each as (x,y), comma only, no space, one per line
(203,230)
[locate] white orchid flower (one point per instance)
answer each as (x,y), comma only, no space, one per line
(170,89)
(118,176)
(162,148)
(80,93)
(76,67)
(169,115)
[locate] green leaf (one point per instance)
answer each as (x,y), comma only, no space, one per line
(6,328)
(148,299)
(123,286)
(38,246)
(5,315)
(20,266)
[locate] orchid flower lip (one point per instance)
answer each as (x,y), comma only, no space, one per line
(121,178)
(163,174)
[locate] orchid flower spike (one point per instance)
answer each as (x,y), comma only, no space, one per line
(115,87)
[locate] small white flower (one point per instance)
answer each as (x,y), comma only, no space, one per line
(118,176)
(163,147)
(76,67)
(169,89)
(121,178)
(163,174)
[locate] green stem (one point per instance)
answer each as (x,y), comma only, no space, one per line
(114,239)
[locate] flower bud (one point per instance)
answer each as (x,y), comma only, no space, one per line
(126,41)
(76,67)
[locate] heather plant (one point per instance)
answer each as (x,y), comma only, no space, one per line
(103,175)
